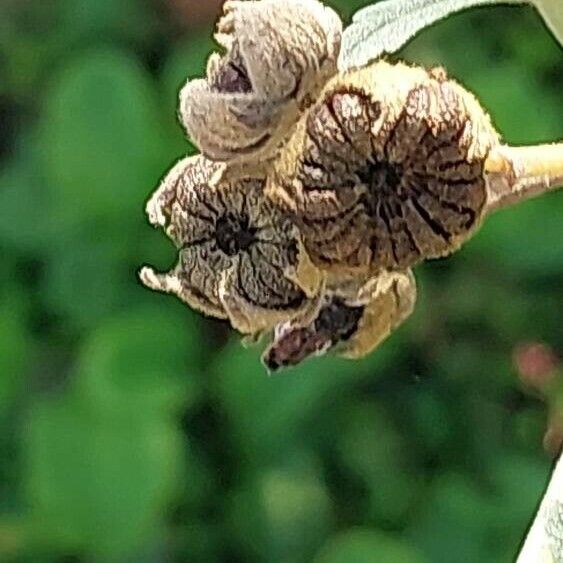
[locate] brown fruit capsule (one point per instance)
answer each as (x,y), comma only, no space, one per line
(238,257)
(352,320)
(279,54)
(386,169)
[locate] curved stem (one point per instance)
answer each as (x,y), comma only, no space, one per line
(544,542)
(516,174)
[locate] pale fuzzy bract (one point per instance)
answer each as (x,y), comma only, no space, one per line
(389,300)
(278,55)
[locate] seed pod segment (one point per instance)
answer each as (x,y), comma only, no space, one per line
(352,321)
(386,169)
(239,258)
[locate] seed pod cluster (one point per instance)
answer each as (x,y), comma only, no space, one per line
(316,192)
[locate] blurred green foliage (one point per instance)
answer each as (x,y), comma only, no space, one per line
(134,430)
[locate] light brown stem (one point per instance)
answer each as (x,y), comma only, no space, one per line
(516,174)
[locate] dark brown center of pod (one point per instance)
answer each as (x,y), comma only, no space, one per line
(234,234)
(338,320)
(232,77)
(383,179)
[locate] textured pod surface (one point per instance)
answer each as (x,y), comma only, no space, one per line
(386,169)
(352,321)
(278,55)
(238,258)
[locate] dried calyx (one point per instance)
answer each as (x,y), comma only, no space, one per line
(353,319)
(386,169)
(335,323)
(239,258)
(278,55)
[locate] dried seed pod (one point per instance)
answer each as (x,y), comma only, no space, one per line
(386,169)
(279,54)
(352,320)
(239,258)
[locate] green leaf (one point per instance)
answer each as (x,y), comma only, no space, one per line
(455,519)
(372,450)
(198,542)
(270,413)
(26,201)
(88,276)
(15,349)
(386,26)
(282,513)
(98,482)
(525,239)
(516,498)
(483,523)
(83,18)
(148,358)
(102,139)
(362,545)
(506,91)
(12,538)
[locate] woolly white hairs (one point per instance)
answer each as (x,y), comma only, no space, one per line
(386,26)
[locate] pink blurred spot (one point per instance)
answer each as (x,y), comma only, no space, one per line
(536,364)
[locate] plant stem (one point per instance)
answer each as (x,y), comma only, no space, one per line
(516,174)
(544,542)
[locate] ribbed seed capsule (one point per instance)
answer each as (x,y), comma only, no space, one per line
(386,169)
(238,257)
(279,55)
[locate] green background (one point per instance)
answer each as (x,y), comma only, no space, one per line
(134,430)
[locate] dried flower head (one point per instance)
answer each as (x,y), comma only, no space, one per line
(386,169)
(239,258)
(279,54)
(353,319)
